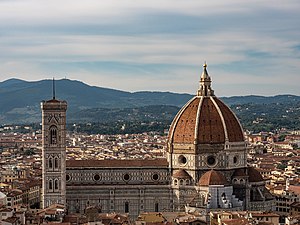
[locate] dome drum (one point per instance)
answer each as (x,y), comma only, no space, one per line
(201,148)
(182,148)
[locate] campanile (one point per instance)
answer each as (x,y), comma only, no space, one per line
(53,152)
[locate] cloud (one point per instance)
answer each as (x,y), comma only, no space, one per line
(153,45)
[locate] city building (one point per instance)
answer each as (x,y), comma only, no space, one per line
(205,168)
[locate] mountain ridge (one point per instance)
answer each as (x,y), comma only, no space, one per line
(20,99)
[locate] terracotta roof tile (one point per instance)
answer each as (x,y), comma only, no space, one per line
(181,174)
(240,172)
(209,123)
(211,129)
(295,189)
(235,133)
(185,127)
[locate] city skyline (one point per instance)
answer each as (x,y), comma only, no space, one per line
(250,48)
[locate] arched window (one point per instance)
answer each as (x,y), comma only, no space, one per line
(50,185)
(53,135)
(156,207)
(55,162)
(56,184)
(50,163)
(181,182)
(126,207)
(176,182)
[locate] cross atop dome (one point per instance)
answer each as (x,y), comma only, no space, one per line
(205,84)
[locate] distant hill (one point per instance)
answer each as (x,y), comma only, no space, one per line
(255,99)
(20,100)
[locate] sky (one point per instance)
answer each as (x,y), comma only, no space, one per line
(251,47)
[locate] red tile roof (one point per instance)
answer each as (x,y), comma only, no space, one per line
(241,172)
(207,120)
(181,174)
(212,177)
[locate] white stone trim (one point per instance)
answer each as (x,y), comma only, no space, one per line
(197,120)
(222,119)
(175,121)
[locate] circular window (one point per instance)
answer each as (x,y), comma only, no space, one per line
(97,177)
(211,160)
(235,159)
(126,177)
(68,177)
(155,176)
(182,159)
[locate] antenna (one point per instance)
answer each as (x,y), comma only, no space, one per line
(53,88)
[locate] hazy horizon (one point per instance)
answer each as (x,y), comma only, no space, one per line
(50,88)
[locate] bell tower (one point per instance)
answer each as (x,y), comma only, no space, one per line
(53,151)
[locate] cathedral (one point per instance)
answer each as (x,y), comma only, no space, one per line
(205,168)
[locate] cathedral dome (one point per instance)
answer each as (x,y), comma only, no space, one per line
(212,177)
(205,119)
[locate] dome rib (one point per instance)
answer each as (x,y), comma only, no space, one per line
(233,125)
(185,127)
(197,120)
(176,118)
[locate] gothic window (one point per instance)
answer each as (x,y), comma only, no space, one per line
(50,163)
(50,185)
(126,207)
(56,184)
(56,163)
(53,135)
(156,207)
(235,159)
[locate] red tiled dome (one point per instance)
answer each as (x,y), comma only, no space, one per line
(241,172)
(181,174)
(205,119)
(212,177)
